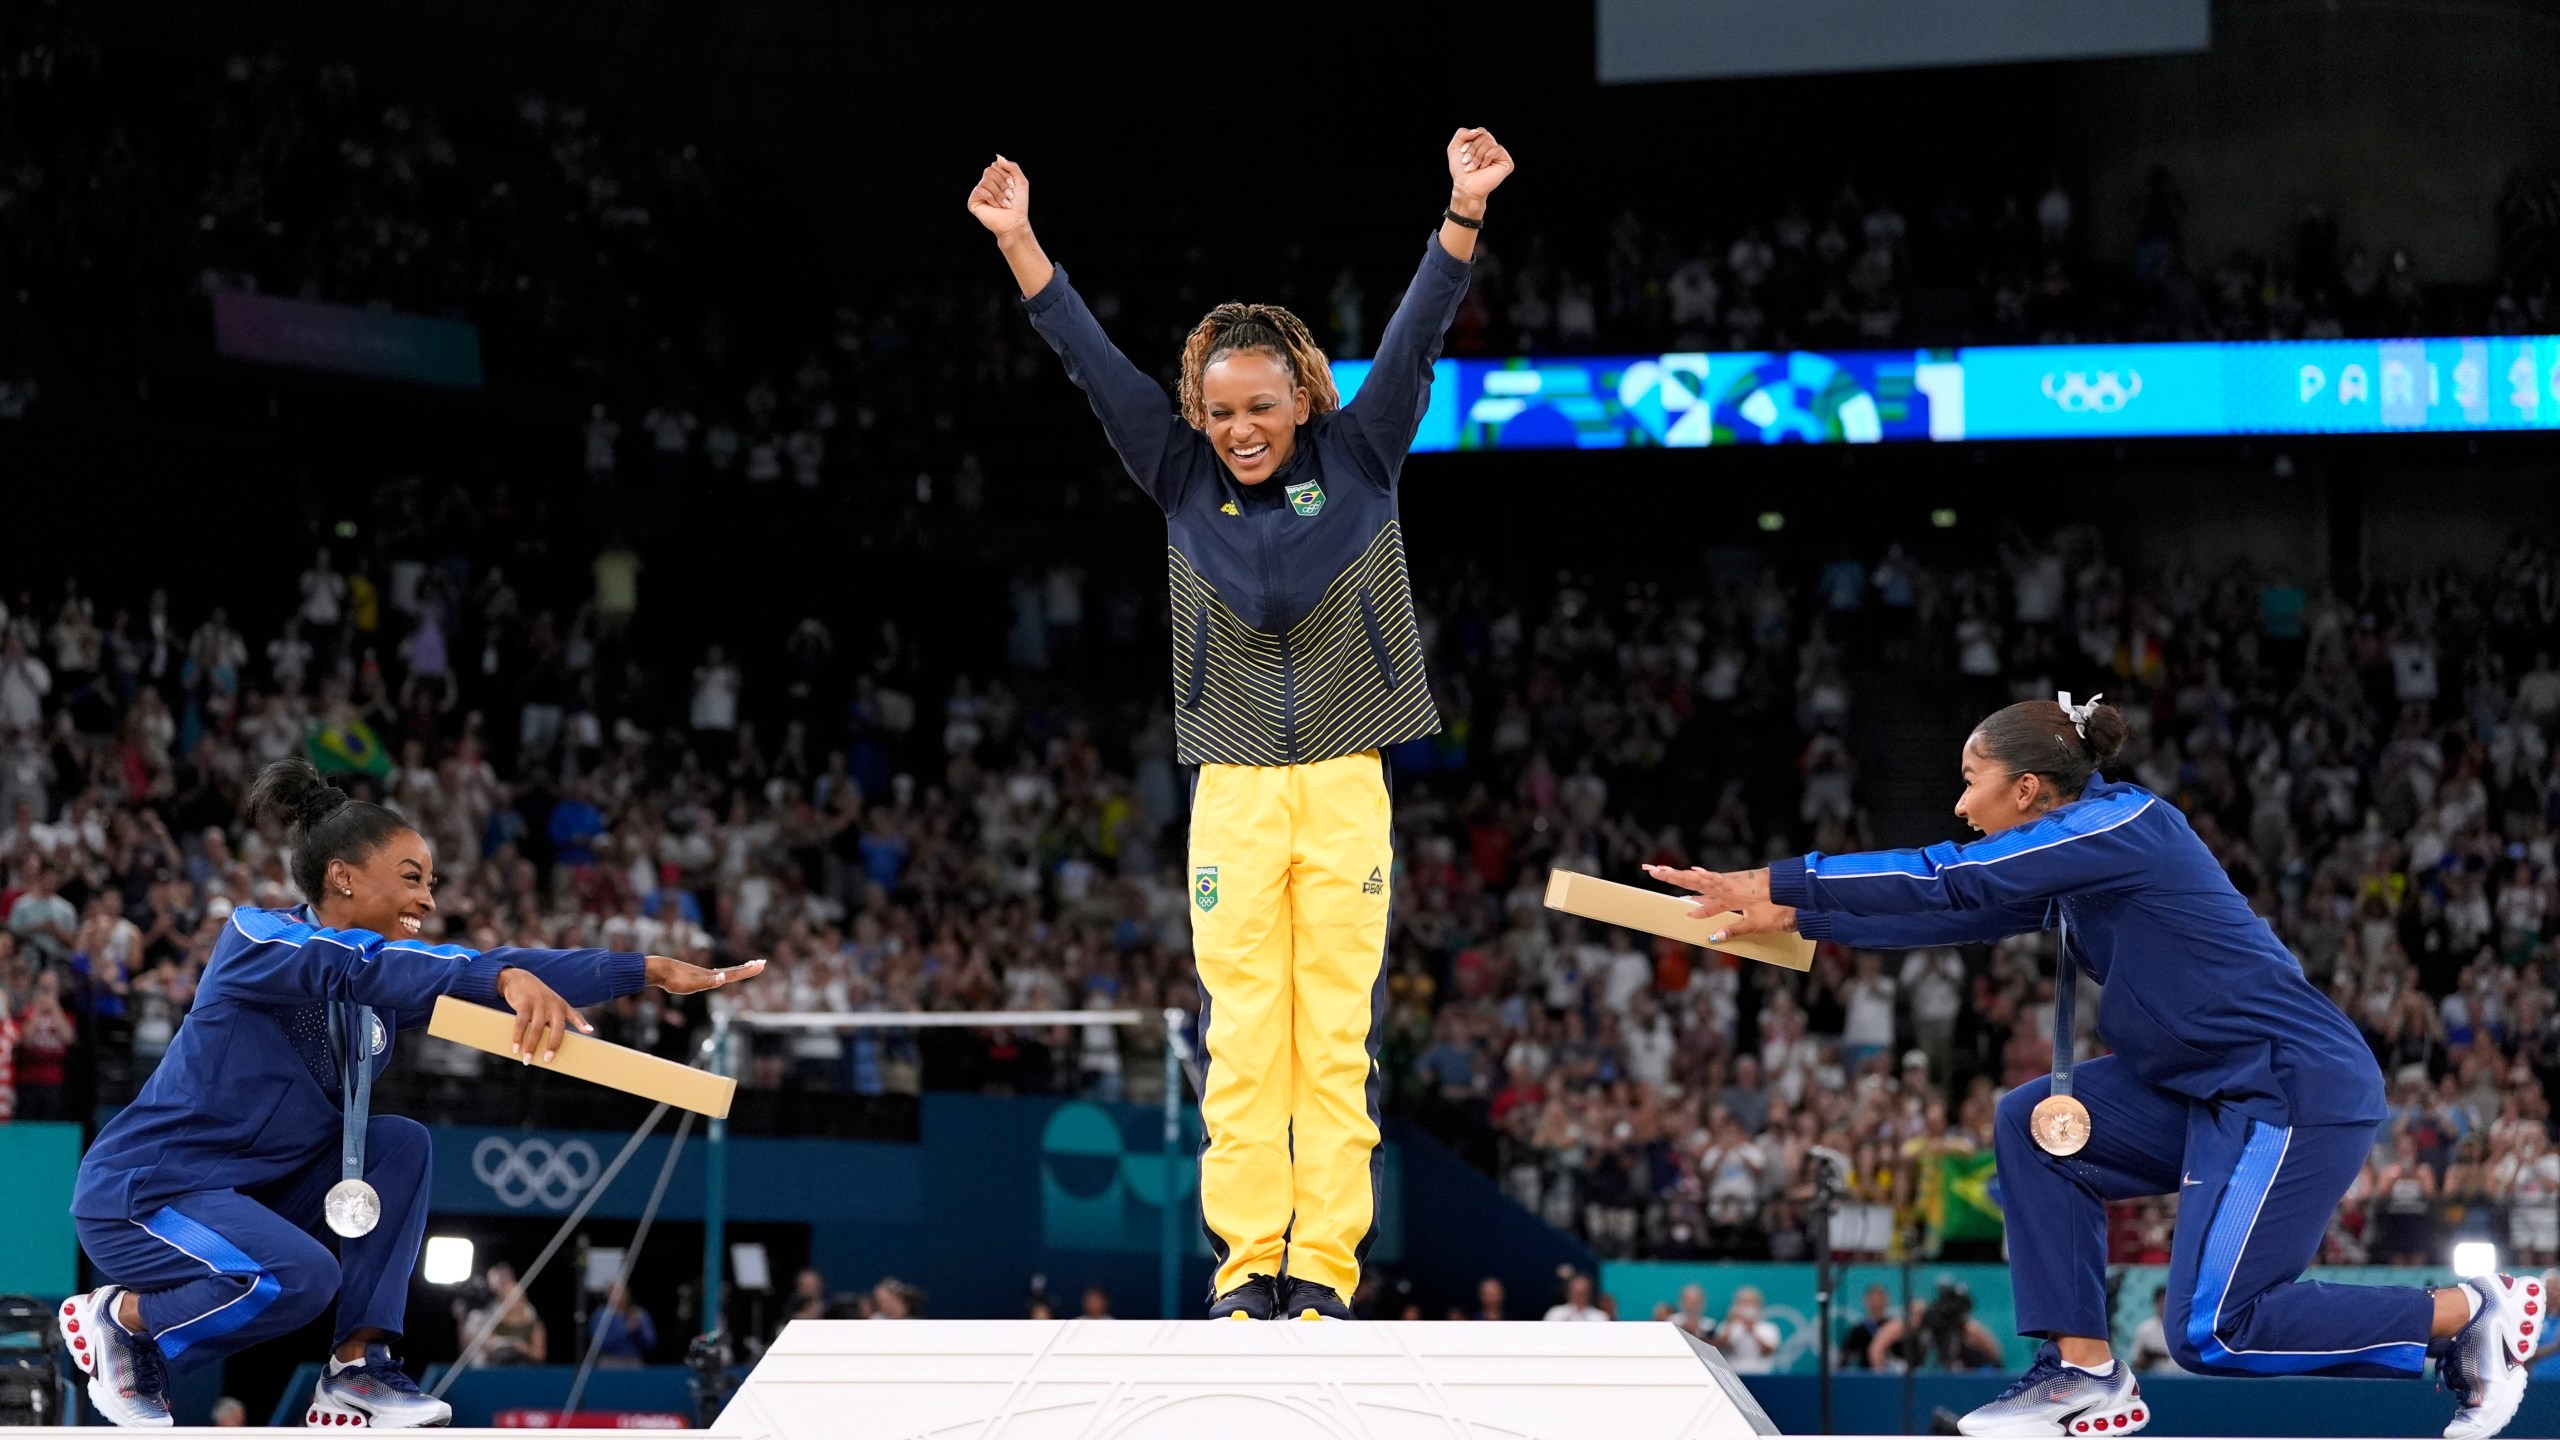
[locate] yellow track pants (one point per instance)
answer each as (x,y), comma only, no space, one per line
(1290,868)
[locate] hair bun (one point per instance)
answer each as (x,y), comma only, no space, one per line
(2106,734)
(293,791)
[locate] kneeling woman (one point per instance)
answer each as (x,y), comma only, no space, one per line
(2234,1085)
(201,1202)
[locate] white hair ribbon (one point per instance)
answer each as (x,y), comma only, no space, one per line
(2079,714)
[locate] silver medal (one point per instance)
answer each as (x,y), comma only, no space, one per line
(353,1208)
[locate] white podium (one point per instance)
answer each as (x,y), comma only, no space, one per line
(1211,1380)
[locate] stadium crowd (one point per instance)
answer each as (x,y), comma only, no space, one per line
(2376,775)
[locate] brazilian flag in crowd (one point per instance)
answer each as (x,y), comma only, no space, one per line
(345,745)
(1963,1201)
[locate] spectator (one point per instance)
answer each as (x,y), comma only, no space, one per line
(46,924)
(230,1414)
(8,1059)
(1868,996)
(46,1033)
(895,1299)
(2150,1338)
(715,705)
(24,683)
(1934,981)
(517,1335)
(809,1299)
(1097,1303)
(1576,1304)
(1691,1313)
(1857,1343)
(624,1332)
(2526,1180)
(617,594)
(1489,1300)
(1748,1338)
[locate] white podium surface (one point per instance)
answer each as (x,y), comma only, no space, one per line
(1209,1380)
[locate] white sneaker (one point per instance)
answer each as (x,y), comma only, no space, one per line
(128,1379)
(2485,1369)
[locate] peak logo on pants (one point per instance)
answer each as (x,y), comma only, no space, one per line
(1376,883)
(1204,887)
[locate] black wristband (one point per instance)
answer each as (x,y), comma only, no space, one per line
(1454,218)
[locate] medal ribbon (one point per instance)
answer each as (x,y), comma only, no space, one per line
(355,1068)
(2066,995)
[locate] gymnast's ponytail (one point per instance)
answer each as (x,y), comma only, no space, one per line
(322,822)
(2062,743)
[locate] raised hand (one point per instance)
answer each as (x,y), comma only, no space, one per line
(1477,163)
(1002,199)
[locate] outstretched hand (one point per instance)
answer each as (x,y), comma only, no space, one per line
(1477,163)
(1720,893)
(1002,199)
(678,978)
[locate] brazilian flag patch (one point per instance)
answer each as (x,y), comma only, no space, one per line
(1204,887)
(1306,497)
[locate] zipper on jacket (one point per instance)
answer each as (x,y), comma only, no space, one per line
(1275,606)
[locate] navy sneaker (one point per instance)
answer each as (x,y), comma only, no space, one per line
(1307,1300)
(374,1393)
(1258,1298)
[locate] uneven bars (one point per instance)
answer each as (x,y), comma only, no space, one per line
(922,1019)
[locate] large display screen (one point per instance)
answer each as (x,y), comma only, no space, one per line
(2037,392)
(377,343)
(1640,40)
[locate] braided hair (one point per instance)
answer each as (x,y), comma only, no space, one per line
(1235,327)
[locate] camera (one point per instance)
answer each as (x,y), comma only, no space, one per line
(31,1391)
(1943,1327)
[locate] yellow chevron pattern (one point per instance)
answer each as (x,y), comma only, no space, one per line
(1353,665)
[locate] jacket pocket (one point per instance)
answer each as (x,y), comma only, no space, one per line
(1377,638)
(1196,659)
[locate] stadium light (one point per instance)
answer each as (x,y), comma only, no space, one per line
(1771,520)
(448,1259)
(1943,518)
(2475,1257)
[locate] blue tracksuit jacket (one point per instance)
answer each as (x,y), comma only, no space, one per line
(2201,999)
(248,1093)
(1294,636)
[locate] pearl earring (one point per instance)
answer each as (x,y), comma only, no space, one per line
(350,894)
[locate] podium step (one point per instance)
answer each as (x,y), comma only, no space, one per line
(1211,1380)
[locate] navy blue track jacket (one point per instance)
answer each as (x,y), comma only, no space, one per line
(1294,637)
(248,1093)
(2201,998)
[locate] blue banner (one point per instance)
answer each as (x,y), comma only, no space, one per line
(1693,400)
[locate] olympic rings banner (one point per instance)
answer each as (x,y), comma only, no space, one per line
(2037,392)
